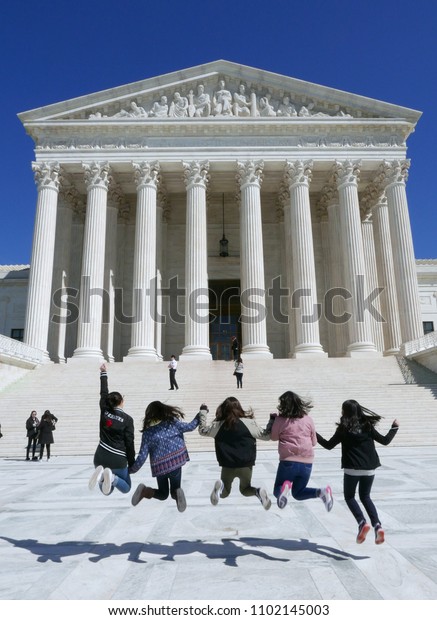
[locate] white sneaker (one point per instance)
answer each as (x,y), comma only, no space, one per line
(181,502)
(138,495)
(263,498)
(108,479)
(95,478)
(326,497)
(216,492)
(285,492)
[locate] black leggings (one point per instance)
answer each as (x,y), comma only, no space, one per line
(172,480)
(41,452)
(364,487)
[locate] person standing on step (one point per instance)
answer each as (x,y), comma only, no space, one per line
(235,433)
(116,449)
(357,435)
(45,432)
(238,372)
(163,439)
(172,367)
(235,348)
(32,424)
(294,429)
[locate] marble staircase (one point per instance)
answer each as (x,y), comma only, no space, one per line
(71,392)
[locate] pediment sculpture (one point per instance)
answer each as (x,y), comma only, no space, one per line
(221,102)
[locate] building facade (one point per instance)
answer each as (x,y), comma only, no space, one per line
(221,200)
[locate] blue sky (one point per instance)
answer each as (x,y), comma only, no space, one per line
(53,51)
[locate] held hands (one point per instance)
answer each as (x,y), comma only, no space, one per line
(103,368)
(395,423)
(204,407)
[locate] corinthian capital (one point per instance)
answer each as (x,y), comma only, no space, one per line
(47,175)
(298,172)
(347,172)
(250,172)
(393,172)
(196,173)
(96,175)
(146,173)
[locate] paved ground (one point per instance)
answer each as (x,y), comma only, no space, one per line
(60,541)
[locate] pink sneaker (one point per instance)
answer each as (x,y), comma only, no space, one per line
(282,500)
(326,497)
(363,530)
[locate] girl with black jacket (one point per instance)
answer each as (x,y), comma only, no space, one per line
(116,450)
(235,433)
(357,434)
(32,424)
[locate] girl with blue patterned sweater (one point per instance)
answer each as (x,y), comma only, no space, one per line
(163,439)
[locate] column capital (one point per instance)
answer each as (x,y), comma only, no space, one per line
(196,173)
(146,173)
(250,173)
(393,172)
(347,172)
(96,175)
(298,172)
(115,193)
(47,175)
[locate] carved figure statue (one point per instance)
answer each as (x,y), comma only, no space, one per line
(135,111)
(241,105)
(222,101)
(200,104)
(304,111)
(160,108)
(179,106)
(286,108)
(265,108)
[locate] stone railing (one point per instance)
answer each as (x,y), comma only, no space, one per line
(425,343)
(17,353)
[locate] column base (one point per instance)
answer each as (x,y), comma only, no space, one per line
(256,350)
(136,353)
(309,349)
(394,351)
(194,352)
(88,353)
(362,349)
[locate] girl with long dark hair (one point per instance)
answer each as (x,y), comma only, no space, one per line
(357,435)
(235,433)
(163,439)
(294,429)
(116,450)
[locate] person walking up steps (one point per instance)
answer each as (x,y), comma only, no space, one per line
(357,435)
(163,438)
(294,429)
(116,449)
(238,372)
(235,433)
(172,367)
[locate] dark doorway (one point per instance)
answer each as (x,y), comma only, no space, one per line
(225,311)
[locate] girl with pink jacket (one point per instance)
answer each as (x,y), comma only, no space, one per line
(294,429)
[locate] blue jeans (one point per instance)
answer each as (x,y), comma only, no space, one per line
(297,473)
(122,480)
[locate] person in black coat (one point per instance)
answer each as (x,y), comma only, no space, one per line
(45,432)
(357,435)
(32,423)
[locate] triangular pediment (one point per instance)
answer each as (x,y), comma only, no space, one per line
(218,90)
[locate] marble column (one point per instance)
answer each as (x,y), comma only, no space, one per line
(68,199)
(115,198)
(386,276)
(253,302)
(143,305)
(298,213)
(93,263)
(284,200)
(41,270)
(161,202)
(196,264)
(372,281)
(360,342)
(335,307)
(394,177)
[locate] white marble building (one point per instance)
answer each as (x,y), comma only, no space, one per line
(138,185)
